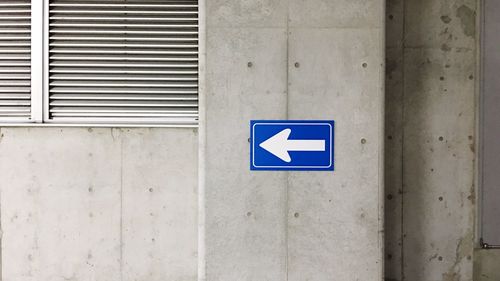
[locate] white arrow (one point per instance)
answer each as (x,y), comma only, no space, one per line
(279,145)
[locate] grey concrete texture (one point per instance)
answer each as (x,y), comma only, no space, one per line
(336,235)
(486,265)
(393,167)
(98,204)
(294,60)
(431,80)
(441,24)
(245,211)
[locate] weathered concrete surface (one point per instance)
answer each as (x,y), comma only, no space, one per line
(393,167)
(486,265)
(98,204)
(438,208)
(294,226)
(438,78)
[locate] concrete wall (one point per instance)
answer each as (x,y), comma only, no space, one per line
(98,204)
(121,204)
(486,265)
(431,62)
(279,59)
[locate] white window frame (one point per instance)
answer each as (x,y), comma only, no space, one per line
(37,64)
(40,114)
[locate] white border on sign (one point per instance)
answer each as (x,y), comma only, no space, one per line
(296,167)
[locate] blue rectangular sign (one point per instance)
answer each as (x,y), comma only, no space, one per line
(292,145)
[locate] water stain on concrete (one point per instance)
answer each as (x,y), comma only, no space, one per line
(467,18)
(464,246)
(445,19)
(390,66)
(445,48)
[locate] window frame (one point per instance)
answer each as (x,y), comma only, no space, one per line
(40,113)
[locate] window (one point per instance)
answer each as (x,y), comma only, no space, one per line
(99,61)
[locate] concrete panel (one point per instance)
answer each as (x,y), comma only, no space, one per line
(440,24)
(159,205)
(247,13)
(394,24)
(335,221)
(486,265)
(337,13)
(60,204)
(245,211)
(439,196)
(394,140)
(76,204)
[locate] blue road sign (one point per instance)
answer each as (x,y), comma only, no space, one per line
(292,145)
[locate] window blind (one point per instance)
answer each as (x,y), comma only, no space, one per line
(15,60)
(122,61)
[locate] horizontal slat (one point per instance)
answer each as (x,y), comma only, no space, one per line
(14,11)
(120,58)
(123,110)
(124,5)
(121,38)
(119,78)
(121,90)
(4,89)
(14,57)
(121,32)
(20,83)
(124,103)
(27,37)
(122,25)
(14,96)
(4,76)
(14,109)
(122,84)
(125,44)
(15,4)
(183,119)
(106,11)
(15,44)
(15,17)
(13,24)
(125,64)
(121,18)
(14,102)
(68,70)
(9,31)
(14,63)
(119,52)
(14,51)
(125,97)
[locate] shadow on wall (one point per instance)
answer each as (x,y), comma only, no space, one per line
(429,147)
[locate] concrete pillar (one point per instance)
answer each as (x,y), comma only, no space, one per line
(431,80)
(394,139)
(315,59)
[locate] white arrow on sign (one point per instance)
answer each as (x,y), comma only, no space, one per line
(279,145)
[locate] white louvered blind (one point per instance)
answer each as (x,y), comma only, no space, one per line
(15,60)
(123,61)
